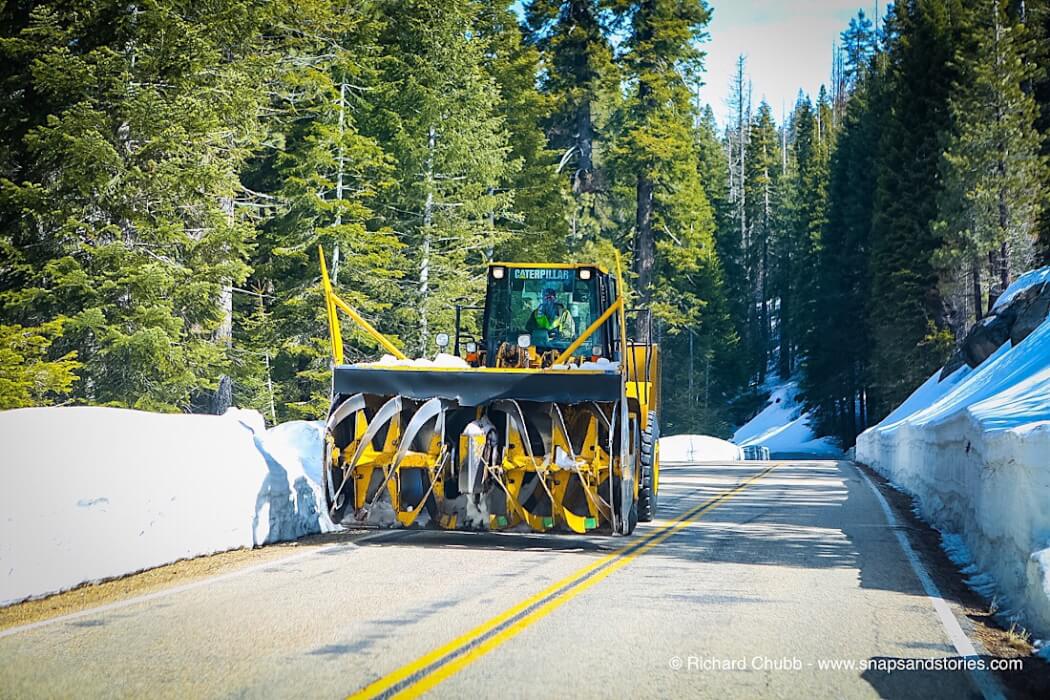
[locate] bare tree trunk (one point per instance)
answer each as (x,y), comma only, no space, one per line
(863,398)
(784,363)
(978,300)
(424,258)
(764,277)
(644,250)
(269,386)
(692,396)
(993,276)
(1004,211)
(339,180)
(1004,266)
(584,180)
(222,399)
(581,14)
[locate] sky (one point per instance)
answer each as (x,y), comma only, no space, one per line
(787,44)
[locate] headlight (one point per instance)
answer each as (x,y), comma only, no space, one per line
(585,274)
(596,351)
(524,340)
(442,340)
(472,347)
(498,272)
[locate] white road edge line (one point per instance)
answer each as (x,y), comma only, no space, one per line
(985,682)
(146,597)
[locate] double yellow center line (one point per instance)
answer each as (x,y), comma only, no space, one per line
(419,676)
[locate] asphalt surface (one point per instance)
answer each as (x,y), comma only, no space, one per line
(751,582)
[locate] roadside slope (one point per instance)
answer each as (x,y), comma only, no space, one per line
(974,449)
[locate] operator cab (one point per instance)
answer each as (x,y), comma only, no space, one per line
(544,308)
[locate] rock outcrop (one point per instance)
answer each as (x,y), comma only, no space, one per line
(1013,321)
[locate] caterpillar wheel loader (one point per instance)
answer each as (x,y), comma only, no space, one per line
(548,422)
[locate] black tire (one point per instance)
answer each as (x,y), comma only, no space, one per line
(647,491)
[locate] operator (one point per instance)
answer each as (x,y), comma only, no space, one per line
(552,316)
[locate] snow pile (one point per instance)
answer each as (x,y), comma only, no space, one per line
(445,360)
(1028,279)
(442,359)
(783,427)
(603,364)
(698,448)
(974,450)
(92,493)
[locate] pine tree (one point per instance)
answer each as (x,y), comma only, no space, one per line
(27,376)
(836,369)
(909,322)
(119,185)
(858,46)
(323,184)
(989,207)
(435,113)
(735,246)
(539,221)
(800,241)
(578,70)
(762,198)
(725,368)
(1036,19)
(656,146)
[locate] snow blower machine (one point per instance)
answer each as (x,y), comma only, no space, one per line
(549,421)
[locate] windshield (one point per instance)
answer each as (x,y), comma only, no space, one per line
(552,305)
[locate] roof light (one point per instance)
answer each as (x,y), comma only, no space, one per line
(585,273)
(524,340)
(498,272)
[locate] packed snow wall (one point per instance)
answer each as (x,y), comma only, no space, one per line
(93,493)
(974,450)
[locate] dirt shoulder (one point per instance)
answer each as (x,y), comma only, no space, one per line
(1033,680)
(153,580)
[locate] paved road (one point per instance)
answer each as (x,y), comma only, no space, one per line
(750,578)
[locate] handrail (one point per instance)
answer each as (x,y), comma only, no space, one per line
(332,301)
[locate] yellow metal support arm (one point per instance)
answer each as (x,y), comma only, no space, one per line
(332,302)
(616,306)
(335,335)
(621,282)
(367,327)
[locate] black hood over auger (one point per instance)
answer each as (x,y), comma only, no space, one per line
(478,388)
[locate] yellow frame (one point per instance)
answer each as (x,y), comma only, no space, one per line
(332,301)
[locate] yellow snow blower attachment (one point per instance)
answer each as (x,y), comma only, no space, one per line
(548,421)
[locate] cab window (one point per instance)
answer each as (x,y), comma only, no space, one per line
(552,305)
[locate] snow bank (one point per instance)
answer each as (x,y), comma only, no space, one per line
(602,363)
(92,493)
(975,452)
(1028,279)
(698,448)
(783,427)
(442,359)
